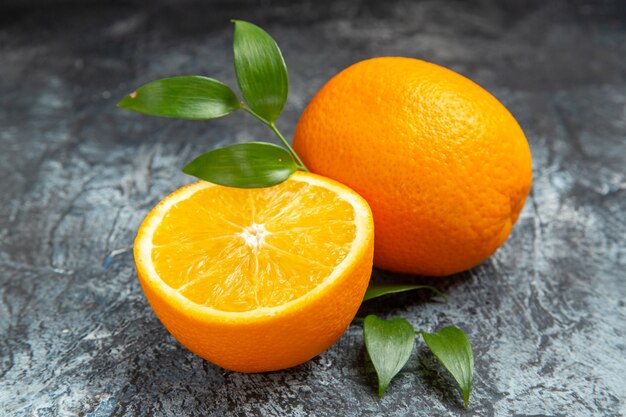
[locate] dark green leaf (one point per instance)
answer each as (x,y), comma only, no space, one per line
(378,290)
(452,349)
(244,165)
(261,70)
(191,97)
(389,344)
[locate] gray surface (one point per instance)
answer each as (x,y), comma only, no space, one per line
(546,314)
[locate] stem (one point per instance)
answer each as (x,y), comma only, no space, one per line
(293,153)
(272,126)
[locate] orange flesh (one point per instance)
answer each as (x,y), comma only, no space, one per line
(238,250)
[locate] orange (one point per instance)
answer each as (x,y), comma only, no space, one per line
(443,164)
(257,279)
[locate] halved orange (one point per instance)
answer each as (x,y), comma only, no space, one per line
(257,279)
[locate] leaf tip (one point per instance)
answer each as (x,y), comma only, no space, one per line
(123,103)
(466,397)
(126,102)
(187,169)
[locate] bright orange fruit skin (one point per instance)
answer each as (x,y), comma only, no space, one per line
(267,344)
(254,338)
(443,164)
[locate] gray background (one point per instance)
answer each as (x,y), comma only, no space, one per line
(546,314)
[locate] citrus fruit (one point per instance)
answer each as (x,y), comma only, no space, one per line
(443,164)
(257,279)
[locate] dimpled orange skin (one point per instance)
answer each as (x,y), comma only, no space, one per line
(443,164)
(283,342)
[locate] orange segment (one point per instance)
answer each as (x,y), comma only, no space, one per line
(326,244)
(252,266)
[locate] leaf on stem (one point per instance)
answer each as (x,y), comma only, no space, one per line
(261,70)
(186,97)
(389,344)
(453,350)
(244,165)
(378,290)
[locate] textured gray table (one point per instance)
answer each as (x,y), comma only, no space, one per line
(546,314)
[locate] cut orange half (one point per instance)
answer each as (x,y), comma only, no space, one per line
(257,279)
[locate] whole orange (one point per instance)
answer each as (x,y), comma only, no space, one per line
(443,164)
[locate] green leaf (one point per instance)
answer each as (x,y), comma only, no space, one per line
(452,349)
(389,344)
(261,70)
(244,165)
(188,97)
(378,290)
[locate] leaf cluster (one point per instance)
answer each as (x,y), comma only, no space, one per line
(263,82)
(389,344)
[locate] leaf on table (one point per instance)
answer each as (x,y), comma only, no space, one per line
(244,165)
(389,344)
(261,70)
(453,350)
(186,97)
(378,290)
